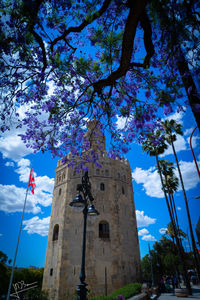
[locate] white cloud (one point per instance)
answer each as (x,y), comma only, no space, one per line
(12,200)
(36,225)
(9,164)
(163,230)
(44,190)
(120,122)
(178,208)
(1,234)
(149,238)
(12,197)
(143,232)
(195,141)
(150,178)
(178,116)
(142,220)
(188,131)
(23,169)
(180,145)
(189,173)
(44,184)
(11,145)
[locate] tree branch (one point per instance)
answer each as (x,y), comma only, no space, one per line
(79,28)
(135,12)
(32,8)
(41,44)
(149,47)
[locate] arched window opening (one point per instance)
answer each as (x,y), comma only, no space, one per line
(60,191)
(51,272)
(97,171)
(107,172)
(55,232)
(123,191)
(104,230)
(102,186)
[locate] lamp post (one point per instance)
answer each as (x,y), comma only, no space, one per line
(195,251)
(85,204)
(193,152)
(151,260)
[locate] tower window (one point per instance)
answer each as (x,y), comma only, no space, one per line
(60,191)
(104,230)
(51,272)
(123,191)
(107,172)
(55,232)
(102,186)
(97,171)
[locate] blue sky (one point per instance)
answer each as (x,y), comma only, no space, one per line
(151,209)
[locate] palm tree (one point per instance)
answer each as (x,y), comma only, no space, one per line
(171,185)
(154,145)
(172,128)
(170,232)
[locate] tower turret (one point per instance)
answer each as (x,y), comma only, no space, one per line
(95,136)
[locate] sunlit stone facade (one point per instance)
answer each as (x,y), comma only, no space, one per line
(112,251)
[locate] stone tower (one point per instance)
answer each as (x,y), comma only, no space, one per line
(112,250)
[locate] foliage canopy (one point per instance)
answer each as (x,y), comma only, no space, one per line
(65,62)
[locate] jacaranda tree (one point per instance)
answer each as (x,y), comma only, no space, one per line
(65,62)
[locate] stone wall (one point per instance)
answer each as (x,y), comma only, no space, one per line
(112,261)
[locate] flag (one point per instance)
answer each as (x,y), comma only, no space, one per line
(31,182)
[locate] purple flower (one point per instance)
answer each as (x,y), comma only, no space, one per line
(148,94)
(147,117)
(168,109)
(125,149)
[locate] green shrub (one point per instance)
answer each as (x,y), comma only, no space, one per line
(127,291)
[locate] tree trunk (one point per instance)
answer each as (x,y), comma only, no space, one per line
(195,252)
(182,65)
(189,85)
(181,256)
(175,213)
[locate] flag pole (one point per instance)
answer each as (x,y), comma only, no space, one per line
(20,229)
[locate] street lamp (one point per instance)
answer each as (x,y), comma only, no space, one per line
(151,261)
(195,161)
(84,203)
(195,251)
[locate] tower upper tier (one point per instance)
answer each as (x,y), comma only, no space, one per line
(95,136)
